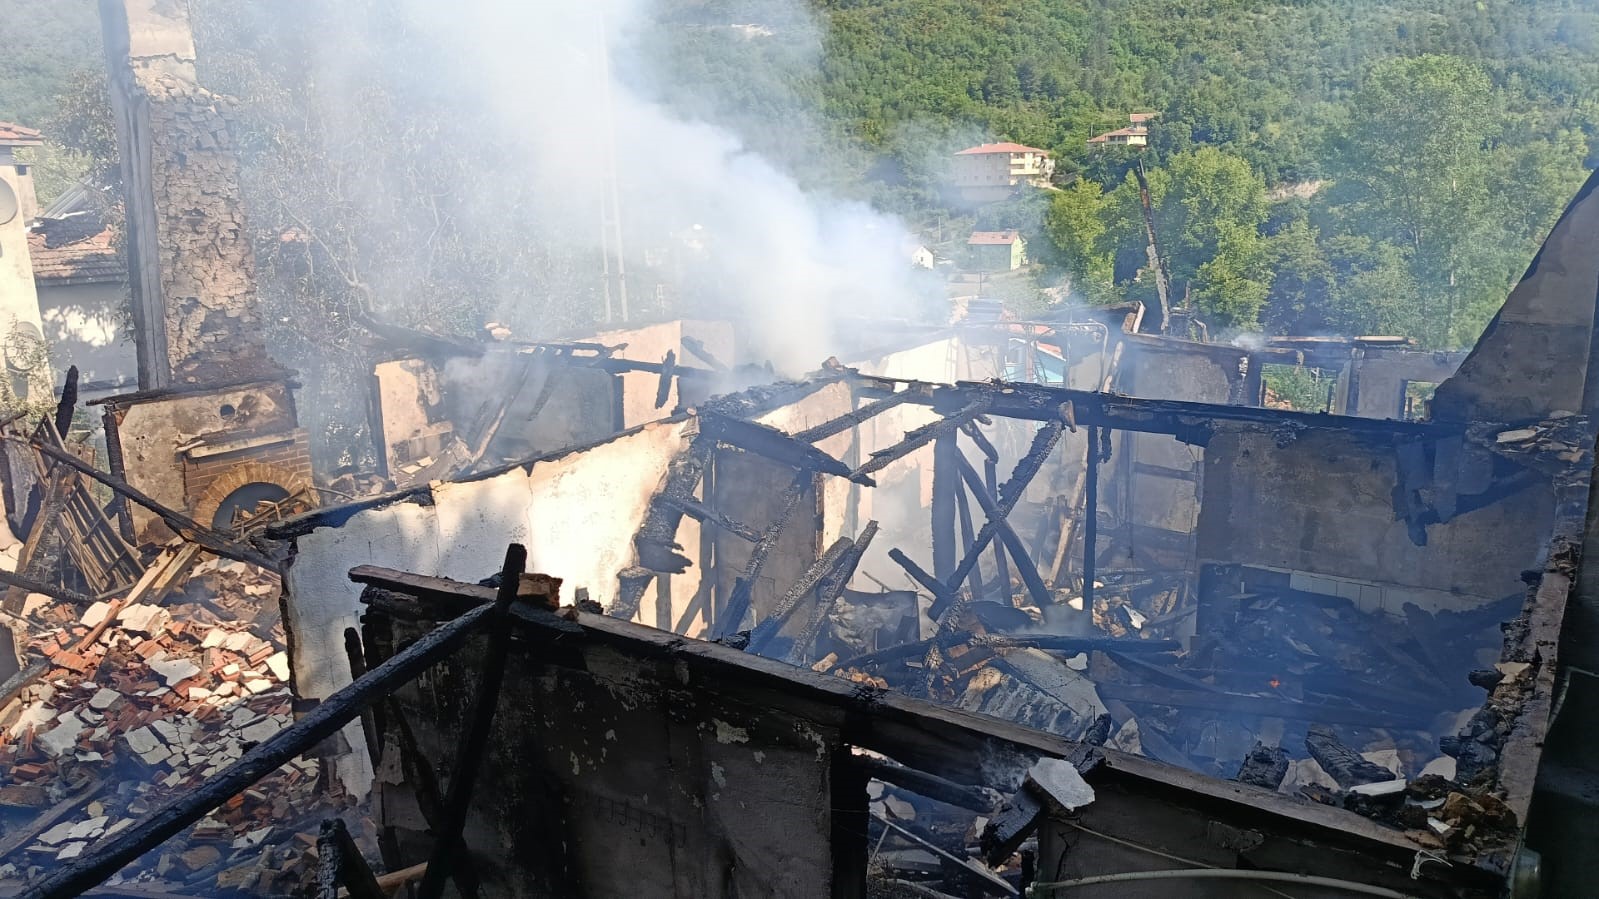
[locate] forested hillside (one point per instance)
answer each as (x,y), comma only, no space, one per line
(1317,165)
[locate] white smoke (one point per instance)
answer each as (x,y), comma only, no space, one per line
(558,82)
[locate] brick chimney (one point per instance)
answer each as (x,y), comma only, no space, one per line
(190,263)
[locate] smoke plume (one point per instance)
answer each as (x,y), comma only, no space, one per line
(588,128)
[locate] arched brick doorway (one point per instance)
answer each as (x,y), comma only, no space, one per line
(244,485)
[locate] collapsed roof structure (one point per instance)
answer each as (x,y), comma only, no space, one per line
(834,636)
(997,607)
(1256,639)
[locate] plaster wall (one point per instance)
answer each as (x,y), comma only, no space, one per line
(1324,504)
(1380,380)
(716,797)
(651,343)
(19,304)
(82,324)
(576,512)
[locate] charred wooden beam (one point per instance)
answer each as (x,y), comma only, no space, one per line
(775,445)
(989,451)
(704,354)
(923,784)
(946,481)
(850,419)
(339,863)
(768,628)
(832,588)
(663,389)
(1010,494)
(29,585)
(738,605)
(1010,826)
(963,506)
(183,525)
(697,511)
(1341,763)
(1008,536)
(929,583)
(474,740)
(991,481)
(915,440)
(45,521)
(1269,706)
(272,753)
(67,406)
(1187,421)
(1091,517)
(656,540)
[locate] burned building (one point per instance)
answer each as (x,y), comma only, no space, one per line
(986,608)
(1312,643)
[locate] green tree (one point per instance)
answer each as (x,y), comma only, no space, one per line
(1415,154)
(1076,226)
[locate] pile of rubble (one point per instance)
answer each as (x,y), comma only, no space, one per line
(139,704)
(1302,693)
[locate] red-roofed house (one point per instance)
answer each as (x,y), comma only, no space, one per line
(997,251)
(990,172)
(1135,134)
(81,278)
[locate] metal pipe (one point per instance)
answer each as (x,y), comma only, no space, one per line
(1091,518)
(1045,889)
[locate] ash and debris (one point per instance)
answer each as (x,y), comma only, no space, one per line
(1303,694)
(159,702)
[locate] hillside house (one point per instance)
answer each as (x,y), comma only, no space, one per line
(997,251)
(990,172)
(1136,134)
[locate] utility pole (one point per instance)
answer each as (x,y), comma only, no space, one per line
(610,194)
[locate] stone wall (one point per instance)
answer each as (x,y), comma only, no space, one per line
(191,265)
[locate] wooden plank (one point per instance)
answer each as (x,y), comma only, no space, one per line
(183,525)
(768,628)
(27,833)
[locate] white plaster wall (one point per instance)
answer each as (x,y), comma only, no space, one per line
(647,344)
(81,324)
(650,343)
(577,515)
(18,301)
